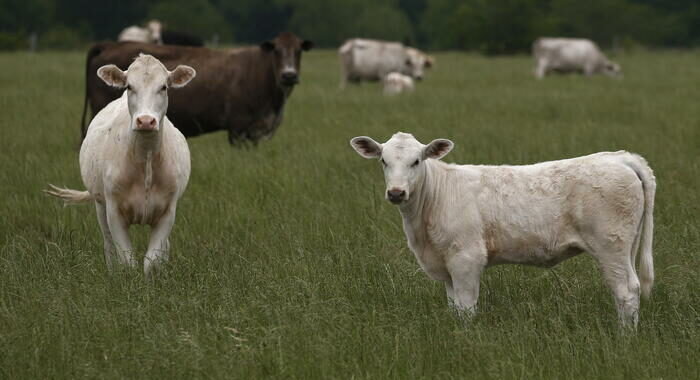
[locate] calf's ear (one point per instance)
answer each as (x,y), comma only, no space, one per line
(366,147)
(111,75)
(429,62)
(180,76)
(438,148)
(307,45)
(267,46)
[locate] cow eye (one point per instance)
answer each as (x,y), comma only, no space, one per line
(164,88)
(383,162)
(415,163)
(128,87)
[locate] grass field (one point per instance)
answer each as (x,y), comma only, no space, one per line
(288,263)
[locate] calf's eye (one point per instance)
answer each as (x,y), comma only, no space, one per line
(164,88)
(383,162)
(128,87)
(415,163)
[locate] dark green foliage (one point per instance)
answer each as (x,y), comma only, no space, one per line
(488,26)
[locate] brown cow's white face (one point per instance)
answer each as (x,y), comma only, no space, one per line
(403,159)
(286,49)
(146,82)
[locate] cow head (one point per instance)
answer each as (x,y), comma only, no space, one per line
(155,28)
(417,62)
(146,82)
(286,51)
(403,159)
(612,69)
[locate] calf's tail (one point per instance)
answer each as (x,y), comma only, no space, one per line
(646,261)
(69,196)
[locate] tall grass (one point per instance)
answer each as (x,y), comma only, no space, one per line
(287,262)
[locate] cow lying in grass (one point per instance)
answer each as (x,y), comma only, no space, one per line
(134,162)
(459,219)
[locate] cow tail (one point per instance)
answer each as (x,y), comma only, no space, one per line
(69,196)
(94,51)
(646,261)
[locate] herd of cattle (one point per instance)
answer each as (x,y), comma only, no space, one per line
(458,219)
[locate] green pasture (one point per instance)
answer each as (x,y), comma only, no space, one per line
(288,263)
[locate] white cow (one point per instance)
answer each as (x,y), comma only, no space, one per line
(151,34)
(396,83)
(571,55)
(459,219)
(372,60)
(134,162)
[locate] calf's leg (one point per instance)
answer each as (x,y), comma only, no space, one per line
(618,271)
(119,230)
(465,268)
(159,243)
(106,235)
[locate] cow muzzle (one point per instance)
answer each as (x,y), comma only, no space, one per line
(290,78)
(396,196)
(146,123)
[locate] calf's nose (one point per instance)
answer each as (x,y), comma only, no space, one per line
(146,122)
(396,195)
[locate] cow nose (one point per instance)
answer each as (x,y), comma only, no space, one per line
(395,195)
(290,76)
(146,123)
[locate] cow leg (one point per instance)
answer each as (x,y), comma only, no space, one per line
(106,235)
(622,279)
(541,69)
(450,293)
(159,244)
(119,230)
(465,269)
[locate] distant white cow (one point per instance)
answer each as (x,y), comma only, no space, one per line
(373,60)
(396,83)
(459,219)
(566,55)
(151,34)
(134,162)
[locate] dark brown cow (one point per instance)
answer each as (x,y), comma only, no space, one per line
(242,91)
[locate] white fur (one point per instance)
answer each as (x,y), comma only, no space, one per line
(135,176)
(150,34)
(459,219)
(396,83)
(362,59)
(569,55)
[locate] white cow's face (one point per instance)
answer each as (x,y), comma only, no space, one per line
(612,69)
(403,159)
(146,82)
(155,28)
(417,62)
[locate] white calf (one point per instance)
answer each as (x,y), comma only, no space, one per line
(396,83)
(134,162)
(459,219)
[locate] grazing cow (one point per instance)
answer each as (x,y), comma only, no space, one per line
(396,83)
(459,219)
(372,60)
(173,37)
(134,162)
(242,91)
(565,55)
(151,34)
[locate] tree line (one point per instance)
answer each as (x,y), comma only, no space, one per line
(487,26)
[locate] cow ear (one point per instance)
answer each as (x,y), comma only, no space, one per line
(437,149)
(366,147)
(267,46)
(111,75)
(180,76)
(307,45)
